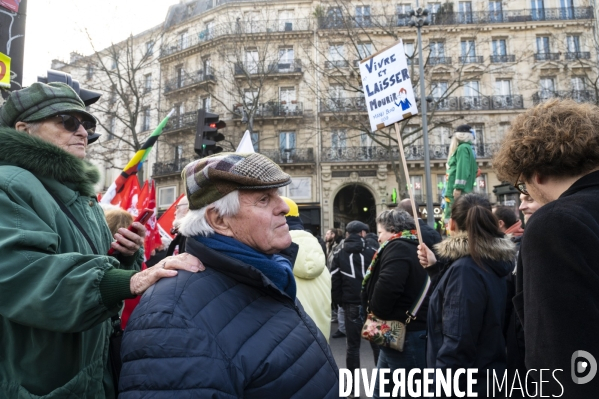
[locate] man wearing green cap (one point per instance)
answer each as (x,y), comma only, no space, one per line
(58,289)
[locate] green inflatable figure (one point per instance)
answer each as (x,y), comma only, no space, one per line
(461,167)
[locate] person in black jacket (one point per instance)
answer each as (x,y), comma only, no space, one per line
(349,266)
(467,308)
(552,154)
(392,285)
(237,331)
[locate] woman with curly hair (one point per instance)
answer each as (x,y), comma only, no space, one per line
(392,284)
(467,307)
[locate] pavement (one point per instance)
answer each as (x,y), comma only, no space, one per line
(338,347)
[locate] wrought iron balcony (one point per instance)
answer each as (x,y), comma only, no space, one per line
(498,59)
(439,60)
(578,55)
(349,104)
(177,44)
(412,152)
(507,102)
(291,66)
(290,155)
(445,104)
(581,96)
(186,120)
(259,68)
(336,64)
(475,103)
(273,109)
(187,80)
(547,56)
(174,166)
(471,59)
(511,16)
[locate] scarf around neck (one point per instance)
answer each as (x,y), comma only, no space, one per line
(275,267)
(406,234)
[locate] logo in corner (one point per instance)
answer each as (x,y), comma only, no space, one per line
(579,366)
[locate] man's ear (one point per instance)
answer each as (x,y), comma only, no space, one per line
(501,224)
(21,126)
(538,178)
(218,223)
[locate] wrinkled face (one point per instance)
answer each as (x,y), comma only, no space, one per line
(53,131)
(528,206)
(260,222)
(383,234)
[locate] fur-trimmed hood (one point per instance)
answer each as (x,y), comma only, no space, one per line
(44,159)
(495,253)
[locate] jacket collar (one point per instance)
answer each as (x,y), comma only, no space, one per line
(499,250)
(586,181)
(46,160)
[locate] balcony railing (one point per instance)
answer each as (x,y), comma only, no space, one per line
(439,60)
(477,103)
(412,152)
(171,167)
(453,18)
(187,80)
(186,120)
(273,109)
(547,56)
(581,96)
(471,59)
(498,59)
(290,155)
(348,104)
(259,68)
(336,64)
(578,55)
(177,44)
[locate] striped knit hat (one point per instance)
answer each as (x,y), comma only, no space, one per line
(209,179)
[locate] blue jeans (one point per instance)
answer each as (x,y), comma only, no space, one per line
(413,356)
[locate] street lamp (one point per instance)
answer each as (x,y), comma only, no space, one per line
(419,19)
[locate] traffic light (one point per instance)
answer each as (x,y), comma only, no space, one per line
(207,134)
(88,96)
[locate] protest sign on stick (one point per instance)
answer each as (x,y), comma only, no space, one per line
(390,99)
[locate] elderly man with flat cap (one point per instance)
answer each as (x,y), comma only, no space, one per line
(58,288)
(235,330)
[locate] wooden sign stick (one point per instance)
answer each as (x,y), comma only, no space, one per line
(410,189)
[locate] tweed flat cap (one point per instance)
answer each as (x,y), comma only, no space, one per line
(209,179)
(40,101)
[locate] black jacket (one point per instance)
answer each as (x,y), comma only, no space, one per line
(467,308)
(557,287)
(395,284)
(430,236)
(227,332)
(350,263)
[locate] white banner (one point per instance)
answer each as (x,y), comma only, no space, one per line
(387,87)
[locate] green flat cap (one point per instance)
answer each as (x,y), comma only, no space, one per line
(209,179)
(40,101)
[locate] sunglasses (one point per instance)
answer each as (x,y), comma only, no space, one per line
(72,124)
(521,186)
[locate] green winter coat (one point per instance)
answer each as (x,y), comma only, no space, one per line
(462,168)
(56,296)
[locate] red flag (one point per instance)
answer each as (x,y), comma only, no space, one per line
(165,222)
(147,199)
(129,196)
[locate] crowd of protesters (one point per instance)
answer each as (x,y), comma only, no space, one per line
(241,303)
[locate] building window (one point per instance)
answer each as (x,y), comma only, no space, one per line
(465,12)
(403,11)
(468,51)
(183,40)
(495,11)
(543,45)
(150,47)
(573,44)
(180,76)
(286,60)
(499,47)
(112,128)
(287,145)
(503,87)
(338,143)
(251,61)
(146,119)
(577,83)
(416,183)
(437,54)
(479,141)
(537,10)
(166,196)
(547,87)
(207,68)
(363,16)
(285,20)
(287,96)
(178,153)
(147,82)
(114,61)
(337,56)
(364,50)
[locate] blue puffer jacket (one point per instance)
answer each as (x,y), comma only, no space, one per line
(467,307)
(227,332)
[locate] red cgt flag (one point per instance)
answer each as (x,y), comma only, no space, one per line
(147,199)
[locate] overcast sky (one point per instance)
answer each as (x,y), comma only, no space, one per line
(57,27)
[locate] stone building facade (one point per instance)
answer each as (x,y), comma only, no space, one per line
(288,71)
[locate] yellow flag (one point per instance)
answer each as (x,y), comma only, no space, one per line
(4,71)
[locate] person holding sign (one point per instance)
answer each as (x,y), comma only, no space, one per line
(461,167)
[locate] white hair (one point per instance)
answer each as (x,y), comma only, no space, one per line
(458,137)
(194,223)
